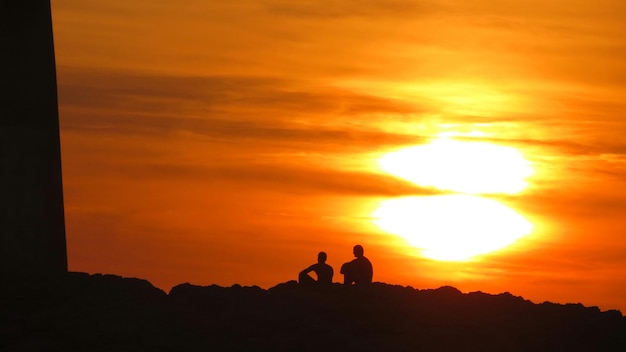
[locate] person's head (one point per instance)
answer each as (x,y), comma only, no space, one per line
(358,251)
(321,257)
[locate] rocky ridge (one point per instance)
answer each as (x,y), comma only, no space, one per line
(98,312)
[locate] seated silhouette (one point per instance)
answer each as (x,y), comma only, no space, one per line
(323,271)
(359,271)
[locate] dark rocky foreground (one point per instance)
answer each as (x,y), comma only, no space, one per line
(81,312)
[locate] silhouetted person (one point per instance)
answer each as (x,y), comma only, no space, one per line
(323,271)
(359,271)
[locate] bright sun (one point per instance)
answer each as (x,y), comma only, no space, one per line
(452,227)
(456,227)
(465,167)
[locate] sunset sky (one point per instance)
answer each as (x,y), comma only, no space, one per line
(223,142)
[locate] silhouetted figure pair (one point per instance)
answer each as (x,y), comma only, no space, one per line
(323,271)
(358,271)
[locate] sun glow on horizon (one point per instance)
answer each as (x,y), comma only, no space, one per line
(456,227)
(464,167)
(452,227)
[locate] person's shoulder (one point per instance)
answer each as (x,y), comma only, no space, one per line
(320,265)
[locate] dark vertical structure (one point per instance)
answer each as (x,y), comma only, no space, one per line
(32,223)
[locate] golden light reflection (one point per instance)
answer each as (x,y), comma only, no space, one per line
(452,227)
(465,167)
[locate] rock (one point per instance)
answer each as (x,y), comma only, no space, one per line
(108,312)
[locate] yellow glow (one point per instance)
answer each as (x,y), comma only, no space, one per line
(465,167)
(447,97)
(452,227)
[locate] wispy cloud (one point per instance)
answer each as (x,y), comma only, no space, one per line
(291,178)
(225,107)
(346,8)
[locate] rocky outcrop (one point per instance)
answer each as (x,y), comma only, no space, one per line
(111,313)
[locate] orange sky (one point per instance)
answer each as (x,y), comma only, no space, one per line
(229,142)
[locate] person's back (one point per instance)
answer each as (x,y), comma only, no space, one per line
(323,271)
(358,271)
(362,271)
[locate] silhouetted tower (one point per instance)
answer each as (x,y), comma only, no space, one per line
(32,223)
